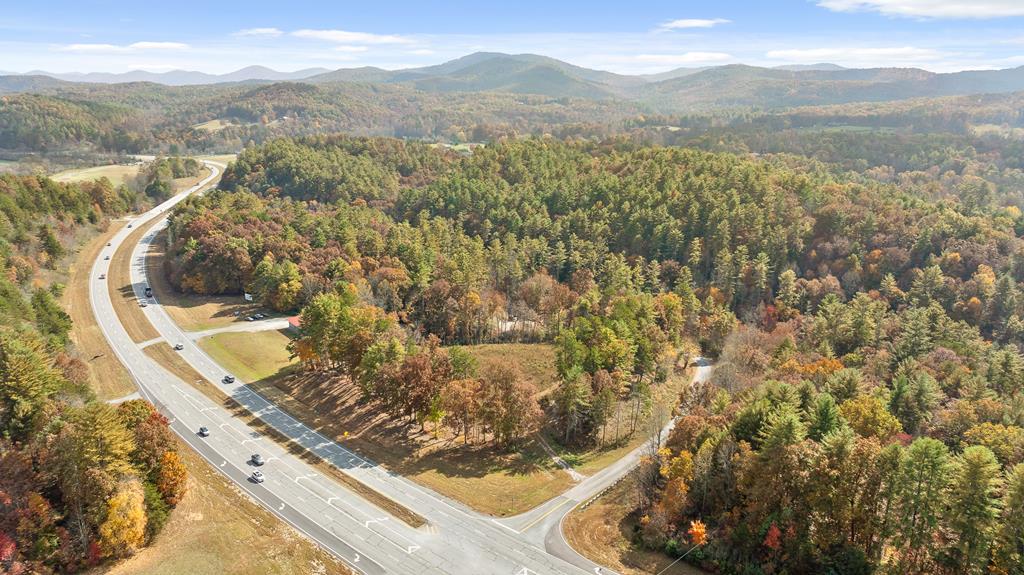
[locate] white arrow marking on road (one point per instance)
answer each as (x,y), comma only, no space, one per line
(412,548)
(377,520)
(281,508)
(223,463)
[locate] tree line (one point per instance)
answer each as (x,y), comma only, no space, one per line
(82,481)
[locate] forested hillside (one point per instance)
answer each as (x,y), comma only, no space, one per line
(81,482)
(866,412)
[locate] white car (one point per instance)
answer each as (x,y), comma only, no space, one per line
(257,476)
(204,431)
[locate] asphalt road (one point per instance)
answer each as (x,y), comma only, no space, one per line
(456,539)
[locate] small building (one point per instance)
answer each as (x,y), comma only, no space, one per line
(295,324)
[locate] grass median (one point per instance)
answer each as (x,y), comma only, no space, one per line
(172,361)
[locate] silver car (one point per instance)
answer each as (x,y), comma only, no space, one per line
(257,459)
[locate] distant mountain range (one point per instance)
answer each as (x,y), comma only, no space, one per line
(674,91)
(184,77)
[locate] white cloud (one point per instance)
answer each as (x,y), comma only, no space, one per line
(261,32)
(158,46)
(973,9)
(94,48)
(344,48)
(116,49)
(684,58)
(346,37)
(692,23)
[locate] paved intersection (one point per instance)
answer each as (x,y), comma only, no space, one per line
(456,540)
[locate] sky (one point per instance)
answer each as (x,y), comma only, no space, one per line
(631,37)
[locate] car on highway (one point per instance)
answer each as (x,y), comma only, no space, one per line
(103,276)
(204,432)
(229,379)
(106,257)
(259,316)
(143,303)
(257,459)
(108,244)
(129,225)
(257,476)
(179,347)
(250,318)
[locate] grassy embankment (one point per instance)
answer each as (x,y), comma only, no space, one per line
(215,529)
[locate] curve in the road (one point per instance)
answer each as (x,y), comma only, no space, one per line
(457,540)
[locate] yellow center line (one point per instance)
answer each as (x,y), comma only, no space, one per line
(541,518)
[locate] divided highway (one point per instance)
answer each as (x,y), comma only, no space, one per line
(456,539)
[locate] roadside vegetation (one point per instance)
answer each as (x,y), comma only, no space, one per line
(858,325)
(83,483)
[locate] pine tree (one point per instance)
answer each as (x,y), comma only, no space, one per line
(1009,540)
(971,511)
(923,477)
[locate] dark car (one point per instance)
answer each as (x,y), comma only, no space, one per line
(229,379)
(257,459)
(178,347)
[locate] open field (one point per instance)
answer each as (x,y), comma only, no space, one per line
(170,360)
(116,173)
(602,532)
(107,376)
(192,312)
(218,530)
(212,126)
(222,158)
(480,476)
(250,355)
(535,360)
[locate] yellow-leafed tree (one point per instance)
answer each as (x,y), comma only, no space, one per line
(124,529)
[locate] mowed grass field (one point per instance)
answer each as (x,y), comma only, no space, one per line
(536,361)
(117,174)
(486,478)
(251,356)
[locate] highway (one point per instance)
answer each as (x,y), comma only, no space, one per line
(456,539)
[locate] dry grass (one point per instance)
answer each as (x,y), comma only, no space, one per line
(486,478)
(212,126)
(163,354)
(107,376)
(250,355)
(117,174)
(603,530)
(126,304)
(192,312)
(535,360)
(218,530)
(222,158)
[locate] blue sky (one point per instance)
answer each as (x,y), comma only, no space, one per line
(637,36)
